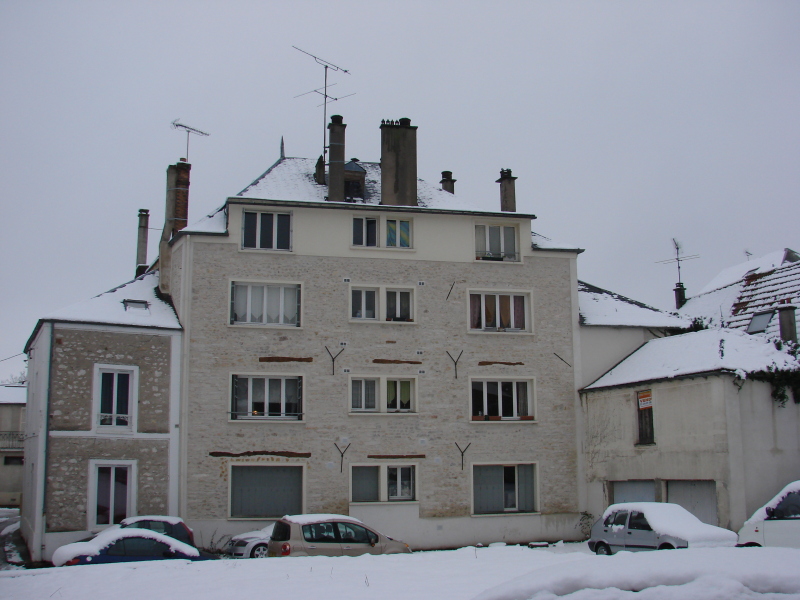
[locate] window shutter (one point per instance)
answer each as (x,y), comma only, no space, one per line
(525,479)
(298,306)
(233,299)
(488,489)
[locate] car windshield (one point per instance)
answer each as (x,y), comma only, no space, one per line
(789,507)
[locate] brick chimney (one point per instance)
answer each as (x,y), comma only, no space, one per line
(176,213)
(680,295)
(398,163)
(508,194)
(141,242)
(788,322)
(448,183)
(336,161)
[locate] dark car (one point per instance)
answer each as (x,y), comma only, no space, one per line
(171,526)
(125,545)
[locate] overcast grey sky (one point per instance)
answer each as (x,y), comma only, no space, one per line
(627,123)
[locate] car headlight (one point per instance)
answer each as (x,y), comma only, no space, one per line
(240,543)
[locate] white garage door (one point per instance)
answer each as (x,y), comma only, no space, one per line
(698,497)
(634,491)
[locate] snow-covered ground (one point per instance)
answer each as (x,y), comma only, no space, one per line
(494,573)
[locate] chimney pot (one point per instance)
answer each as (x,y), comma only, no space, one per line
(508,194)
(141,242)
(448,183)
(398,163)
(680,295)
(336,162)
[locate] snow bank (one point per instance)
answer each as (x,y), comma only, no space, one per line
(108,536)
(676,521)
(761,513)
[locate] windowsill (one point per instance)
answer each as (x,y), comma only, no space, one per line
(644,445)
(386,503)
(379,322)
(493,420)
(507,514)
(377,413)
(266,420)
(382,248)
(111,431)
(259,250)
(264,326)
(513,332)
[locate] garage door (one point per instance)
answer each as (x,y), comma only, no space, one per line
(634,491)
(698,497)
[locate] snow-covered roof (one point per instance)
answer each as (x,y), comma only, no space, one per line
(13,394)
(215,222)
(602,307)
(676,521)
(541,242)
(753,287)
(293,179)
(132,303)
(707,351)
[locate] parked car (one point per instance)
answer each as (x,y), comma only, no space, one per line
(329,535)
(171,526)
(777,523)
(123,545)
(252,544)
(636,526)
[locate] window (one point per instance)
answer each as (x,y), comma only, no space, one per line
(268,304)
(638,521)
(365,232)
(264,397)
(759,322)
(363,304)
(13,460)
(111,492)
(787,508)
(139,546)
(267,231)
(363,392)
(644,401)
(398,233)
(266,492)
(496,400)
(382,394)
(499,489)
(115,392)
(383,483)
(350,533)
(398,305)
(496,242)
(497,312)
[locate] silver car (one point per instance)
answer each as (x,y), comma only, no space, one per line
(637,526)
(252,544)
(329,535)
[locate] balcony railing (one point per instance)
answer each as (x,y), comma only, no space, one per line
(11,440)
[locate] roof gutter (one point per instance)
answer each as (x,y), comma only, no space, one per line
(589,389)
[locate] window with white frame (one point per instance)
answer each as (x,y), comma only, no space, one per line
(364,304)
(267,230)
(262,492)
(496,242)
(495,311)
(266,397)
(398,233)
(265,304)
(383,483)
(112,492)
(365,231)
(398,305)
(384,394)
(116,389)
(501,399)
(500,489)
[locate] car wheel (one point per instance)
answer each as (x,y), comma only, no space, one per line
(602,549)
(666,547)
(259,551)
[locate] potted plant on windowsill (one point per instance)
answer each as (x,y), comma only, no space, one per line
(526,418)
(495,417)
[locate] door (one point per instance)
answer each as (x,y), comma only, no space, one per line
(357,540)
(614,530)
(698,497)
(634,491)
(320,539)
(639,535)
(783,527)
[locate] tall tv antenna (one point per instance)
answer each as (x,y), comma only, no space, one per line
(188,130)
(678,258)
(324,93)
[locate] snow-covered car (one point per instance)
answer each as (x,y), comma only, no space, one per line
(636,526)
(171,526)
(252,544)
(124,545)
(329,535)
(777,523)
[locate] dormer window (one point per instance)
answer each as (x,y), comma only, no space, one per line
(759,322)
(496,242)
(136,305)
(354,180)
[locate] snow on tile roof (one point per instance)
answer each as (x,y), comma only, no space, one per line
(540,242)
(13,394)
(215,222)
(704,351)
(293,179)
(602,307)
(112,307)
(761,286)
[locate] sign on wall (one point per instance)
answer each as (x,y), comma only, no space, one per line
(645,399)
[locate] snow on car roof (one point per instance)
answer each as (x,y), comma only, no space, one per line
(316,518)
(761,513)
(262,533)
(674,520)
(165,518)
(108,536)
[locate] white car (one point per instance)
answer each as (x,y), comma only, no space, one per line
(252,544)
(777,523)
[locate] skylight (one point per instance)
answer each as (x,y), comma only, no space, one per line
(759,322)
(137,305)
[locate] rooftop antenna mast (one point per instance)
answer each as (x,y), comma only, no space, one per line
(678,258)
(324,93)
(188,130)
